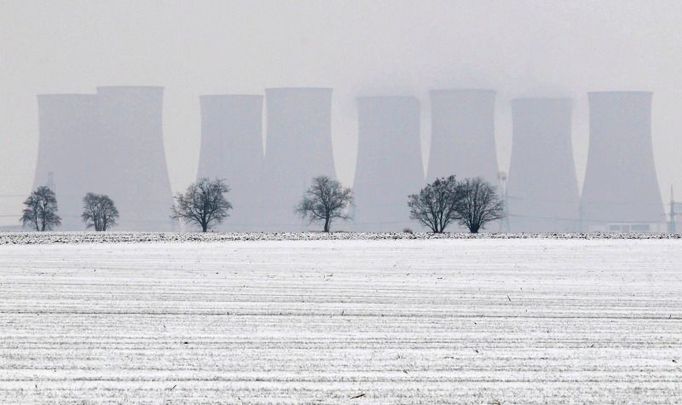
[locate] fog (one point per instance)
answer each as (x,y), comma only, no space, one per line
(358,48)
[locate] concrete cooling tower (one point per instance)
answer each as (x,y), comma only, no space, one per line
(133,167)
(542,191)
(621,190)
(109,143)
(463,134)
(298,148)
(68,151)
(232,149)
(389,165)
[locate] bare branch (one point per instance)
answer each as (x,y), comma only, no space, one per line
(480,204)
(325,201)
(203,203)
(436,204)
(40,210)
(99,212)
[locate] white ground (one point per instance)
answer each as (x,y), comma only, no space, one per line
(404,321)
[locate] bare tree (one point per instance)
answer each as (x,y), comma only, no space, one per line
(41,210)
(99,212)
(436,204)
(325,201)
(479,205)
(203,203)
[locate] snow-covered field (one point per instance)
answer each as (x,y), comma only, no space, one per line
(342,321)
(42,238)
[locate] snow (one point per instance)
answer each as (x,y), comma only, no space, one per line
(32,238)
(514,320)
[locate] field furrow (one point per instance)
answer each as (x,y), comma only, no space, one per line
(342,321)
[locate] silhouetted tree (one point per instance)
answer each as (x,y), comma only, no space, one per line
(436,204)
(479,204)
(325,201)
(99,212)
(203,203)
(41,210)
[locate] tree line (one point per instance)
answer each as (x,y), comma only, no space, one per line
(472,203)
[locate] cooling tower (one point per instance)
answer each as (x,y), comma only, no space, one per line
(298,148)
(68,151)
(463,134)
(232,149)
(620,180)
(133,166)
(542,190)
(389,165)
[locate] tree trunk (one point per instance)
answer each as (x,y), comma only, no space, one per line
(326,224)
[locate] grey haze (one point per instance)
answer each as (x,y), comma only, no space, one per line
(359,48)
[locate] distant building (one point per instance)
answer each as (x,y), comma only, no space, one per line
(232,149)
(135,175)
(542,191)
(463,134)
(68,151)
(109,143)
(298,147)
(389,165)
(621,191)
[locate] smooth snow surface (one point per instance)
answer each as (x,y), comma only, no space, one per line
(384,321)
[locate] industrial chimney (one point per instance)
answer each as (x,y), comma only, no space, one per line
(621,190)
(133,167)
(389,165)
(542,191)
(298,148)
(232,149)
(68,152)
(463,134)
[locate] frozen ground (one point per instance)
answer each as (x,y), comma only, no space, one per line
(35,238)
(343,321)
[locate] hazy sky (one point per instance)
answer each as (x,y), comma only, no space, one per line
(370,47)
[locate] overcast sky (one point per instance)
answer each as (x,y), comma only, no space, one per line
(370,47)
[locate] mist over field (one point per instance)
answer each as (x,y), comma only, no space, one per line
(358,48)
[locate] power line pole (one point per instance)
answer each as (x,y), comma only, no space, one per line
(50,182)
(672,211)
(504,224)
